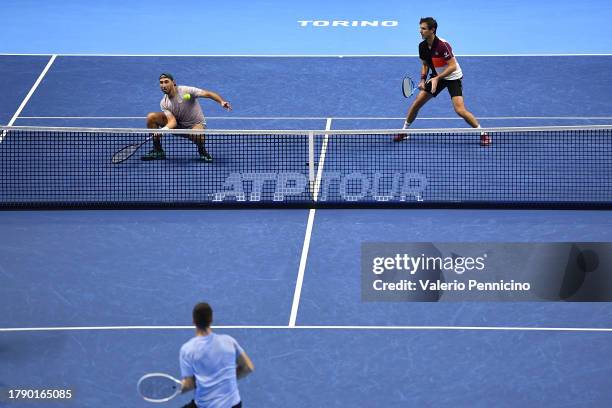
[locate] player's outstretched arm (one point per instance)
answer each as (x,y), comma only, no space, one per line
(215,97)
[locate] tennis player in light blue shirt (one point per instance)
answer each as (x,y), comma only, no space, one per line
(212,364)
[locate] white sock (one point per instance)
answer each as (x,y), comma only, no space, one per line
(406,125)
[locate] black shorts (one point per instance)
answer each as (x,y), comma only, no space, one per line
(455,88)
(192,404)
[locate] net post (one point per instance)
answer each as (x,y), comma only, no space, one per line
(311,166)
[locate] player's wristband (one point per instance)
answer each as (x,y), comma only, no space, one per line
(165,128)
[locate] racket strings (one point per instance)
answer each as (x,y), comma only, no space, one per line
(158,387)
(408,86)
(411,84)
(125,153)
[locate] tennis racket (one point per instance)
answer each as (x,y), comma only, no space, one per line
(128,151)
(158,387)
(408,87)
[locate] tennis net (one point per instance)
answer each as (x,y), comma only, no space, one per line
(65,167)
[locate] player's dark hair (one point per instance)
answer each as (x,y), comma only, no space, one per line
(202,315)
(431,22)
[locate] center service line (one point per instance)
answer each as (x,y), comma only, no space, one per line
(306,246)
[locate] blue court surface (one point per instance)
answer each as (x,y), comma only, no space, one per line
(93,299)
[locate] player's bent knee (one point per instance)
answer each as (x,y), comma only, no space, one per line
(155,118)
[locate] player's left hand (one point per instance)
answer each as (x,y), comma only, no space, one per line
(226,105)
(434,84)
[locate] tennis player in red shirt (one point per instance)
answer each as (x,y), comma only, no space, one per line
(437,57)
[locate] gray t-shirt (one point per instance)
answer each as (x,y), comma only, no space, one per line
(187,113)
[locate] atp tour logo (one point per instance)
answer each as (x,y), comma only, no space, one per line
(353,187)
(348,23)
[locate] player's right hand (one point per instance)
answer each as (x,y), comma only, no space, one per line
(226,105)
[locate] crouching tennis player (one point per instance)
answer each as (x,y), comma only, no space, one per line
(180,110)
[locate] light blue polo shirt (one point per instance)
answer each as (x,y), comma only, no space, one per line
(212,360)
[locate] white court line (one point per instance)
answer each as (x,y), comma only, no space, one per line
(334,118)
(289,327)
(300,278)
(317,183)
(307,235)
(300,55)
(29,95)
(85,117)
